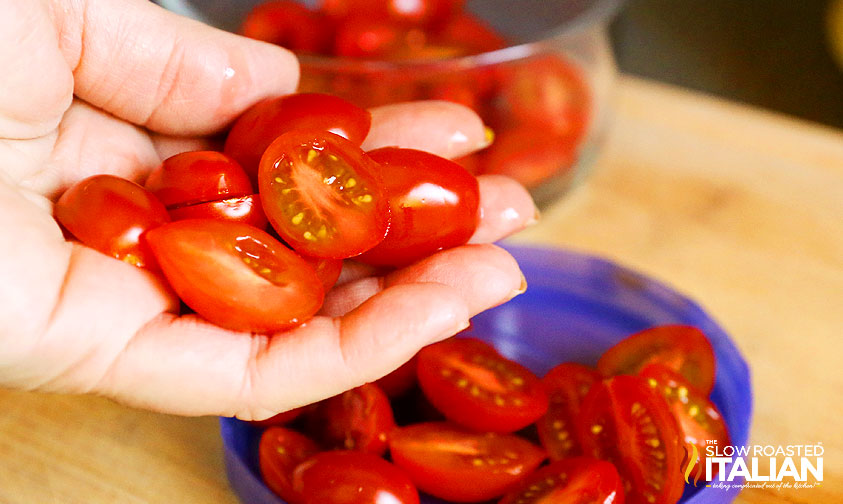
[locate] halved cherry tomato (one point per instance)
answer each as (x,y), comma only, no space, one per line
(279,453)
(460,465)
(475,386)
(111,214)
(288,24)
(530,154)
(699,419)
(323,195)
(566,385)
(684,349)
(433,202)
(280,419)
(190,178)
(626,422)
(577,480)
(328,270)
(236,276)
(245,209)
(265,121)
(401,380)
(358,419)
(352,477)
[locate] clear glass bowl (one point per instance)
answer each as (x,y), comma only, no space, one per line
(545,96)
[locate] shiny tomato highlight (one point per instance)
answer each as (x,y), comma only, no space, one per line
(245,210)
(198,177)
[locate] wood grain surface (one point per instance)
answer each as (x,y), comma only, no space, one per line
(740,209)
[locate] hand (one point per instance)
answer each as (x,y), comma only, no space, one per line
(105,86)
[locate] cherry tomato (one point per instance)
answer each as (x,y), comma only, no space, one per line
(401,380)
(288,24)
(626,422)
(368,38)
(265,121)
(699,419)
(280,419)
(111,214)
(475,386)
(351,477)
(401,12)
(566,385)
(198,177)
(472,34)
(328,270)
(684,349)
(529,154)
(358,419)
(245,209)
(323,195)
(577,480)
(433,202)
(460,465)
(279,453)
(236,276)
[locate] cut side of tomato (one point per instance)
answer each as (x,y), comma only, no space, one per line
(358,419)
(280,451)
(475,386)
(576,480)
(461,465)
(236,276)
(245,210)
(566,385)
(685,349)
(323,195)
(351,477)
(624,421)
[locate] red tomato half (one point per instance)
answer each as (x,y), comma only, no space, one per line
(460,465)
(323,195)
(265,121)
(475,386)
(111,214)
(358,419)
(699,419)
(577,480)
(279,453)
(626,422)
(682,348)
(351,477)
(198,177)
(288,24)
(245,209)
(236,276)
(433,202)
(566,385)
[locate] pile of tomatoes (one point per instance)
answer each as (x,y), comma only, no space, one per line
(294,162)
(464,423)
(539,107)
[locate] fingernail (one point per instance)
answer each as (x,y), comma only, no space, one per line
(537,215)
(461,326)
(520,290)
(488,138)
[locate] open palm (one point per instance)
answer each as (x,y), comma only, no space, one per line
(110,86)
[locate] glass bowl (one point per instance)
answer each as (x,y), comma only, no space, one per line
(545,96)
(575,308)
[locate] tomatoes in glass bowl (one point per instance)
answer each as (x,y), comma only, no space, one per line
(576,307)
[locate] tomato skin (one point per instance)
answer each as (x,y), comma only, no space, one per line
(244,209)
(576,480)
(623,420)
(359,419)
(112,215)
(323,195)
(197,177)
(328,270)
(278,420)
(700,422)
(280,451)
(475,386)
(288,24)
(351,477)
(401,380)
(398,12)
(433,202)
(205,263)
(467,31)
(453,463)
(530,154)
(685,349)
(566,385)
(265,121)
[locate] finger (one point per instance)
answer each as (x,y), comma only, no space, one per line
(484,275)
(167,146)
(171,74)
(187,366)
(444,128)
(505,208)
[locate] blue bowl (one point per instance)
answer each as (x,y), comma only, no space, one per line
(576,307)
